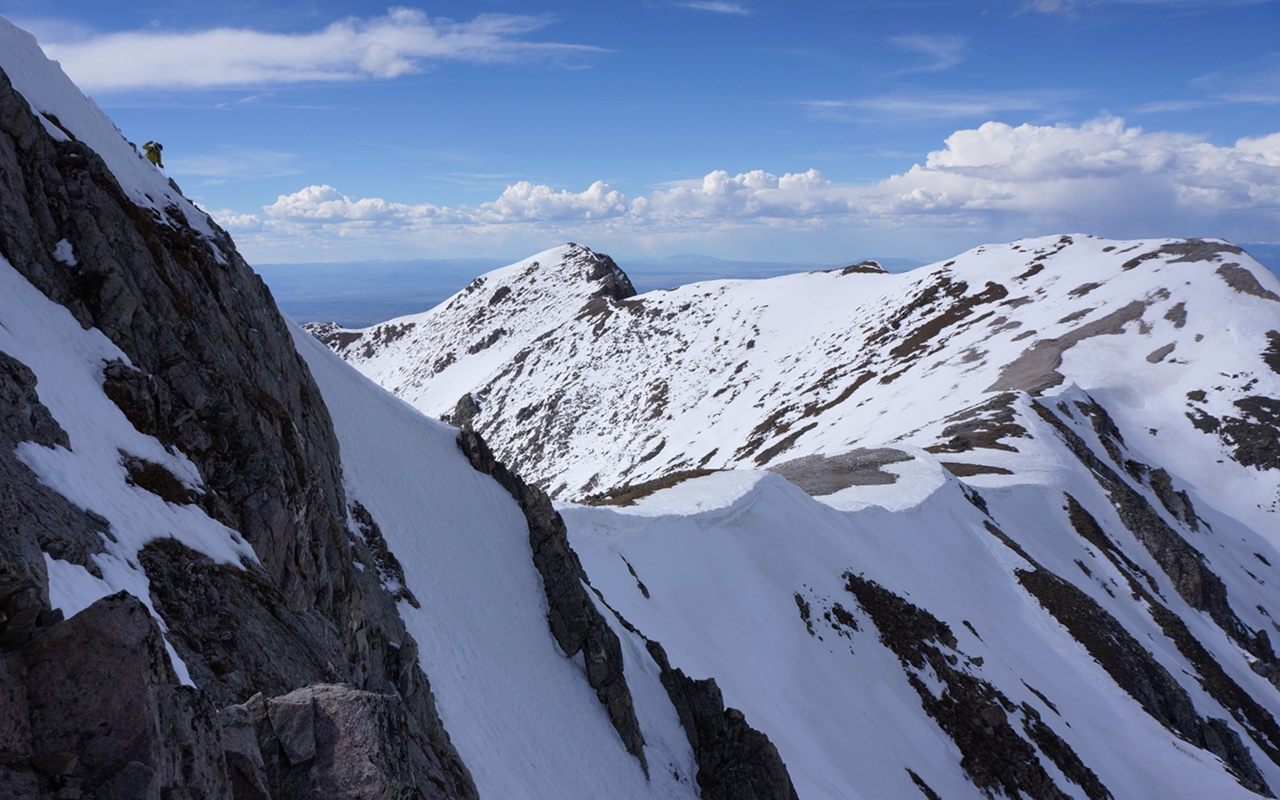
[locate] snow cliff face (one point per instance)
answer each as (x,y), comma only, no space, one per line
(1022,503)
(232,567)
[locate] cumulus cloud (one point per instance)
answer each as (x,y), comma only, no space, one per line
(521,202)
(528,202)
(405,40)
(1100,177)
(750,196)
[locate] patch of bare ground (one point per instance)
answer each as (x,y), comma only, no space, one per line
(629,494)
(964,470)
(820,475)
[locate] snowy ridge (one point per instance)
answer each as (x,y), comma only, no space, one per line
(481,328)
(792,647)
(753,373)
(1015,536)
(1029,505)
(68,114)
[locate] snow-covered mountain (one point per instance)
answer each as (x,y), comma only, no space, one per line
(1025,502)
(586,391)
(1016,537)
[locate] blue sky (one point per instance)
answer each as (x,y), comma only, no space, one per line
(806,132)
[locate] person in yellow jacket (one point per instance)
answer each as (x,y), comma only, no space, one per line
(152,149)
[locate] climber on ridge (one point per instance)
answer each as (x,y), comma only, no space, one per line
(152,149)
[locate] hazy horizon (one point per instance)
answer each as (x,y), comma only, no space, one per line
(359,294)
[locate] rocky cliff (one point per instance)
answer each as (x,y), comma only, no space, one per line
(208,370)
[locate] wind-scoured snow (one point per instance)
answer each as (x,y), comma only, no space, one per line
(520,713)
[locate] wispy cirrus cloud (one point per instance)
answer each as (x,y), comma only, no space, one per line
(1072,7)
(1048,7)
(717,7)
(401,42)
(909,107)
(1252,82)
(227,164)
(942,52)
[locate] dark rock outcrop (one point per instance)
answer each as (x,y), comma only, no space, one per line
(328,742)
(975,714)
(575,623)
(822,475)
(735,761)
(214,374)
(1186,567)
(91,705)
(1140,675)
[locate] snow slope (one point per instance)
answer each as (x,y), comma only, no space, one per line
(1017,538)
(67,361)
(745,549)
(521,715)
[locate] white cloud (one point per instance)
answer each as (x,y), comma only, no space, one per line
(1048,6)
(1100,177)
(528,202)
(224,163)
(403,41)
(521,202)
(236,221)
(1254,81)
(716,6)
(749,196)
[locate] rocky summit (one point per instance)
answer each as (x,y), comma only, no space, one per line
(1002,526)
